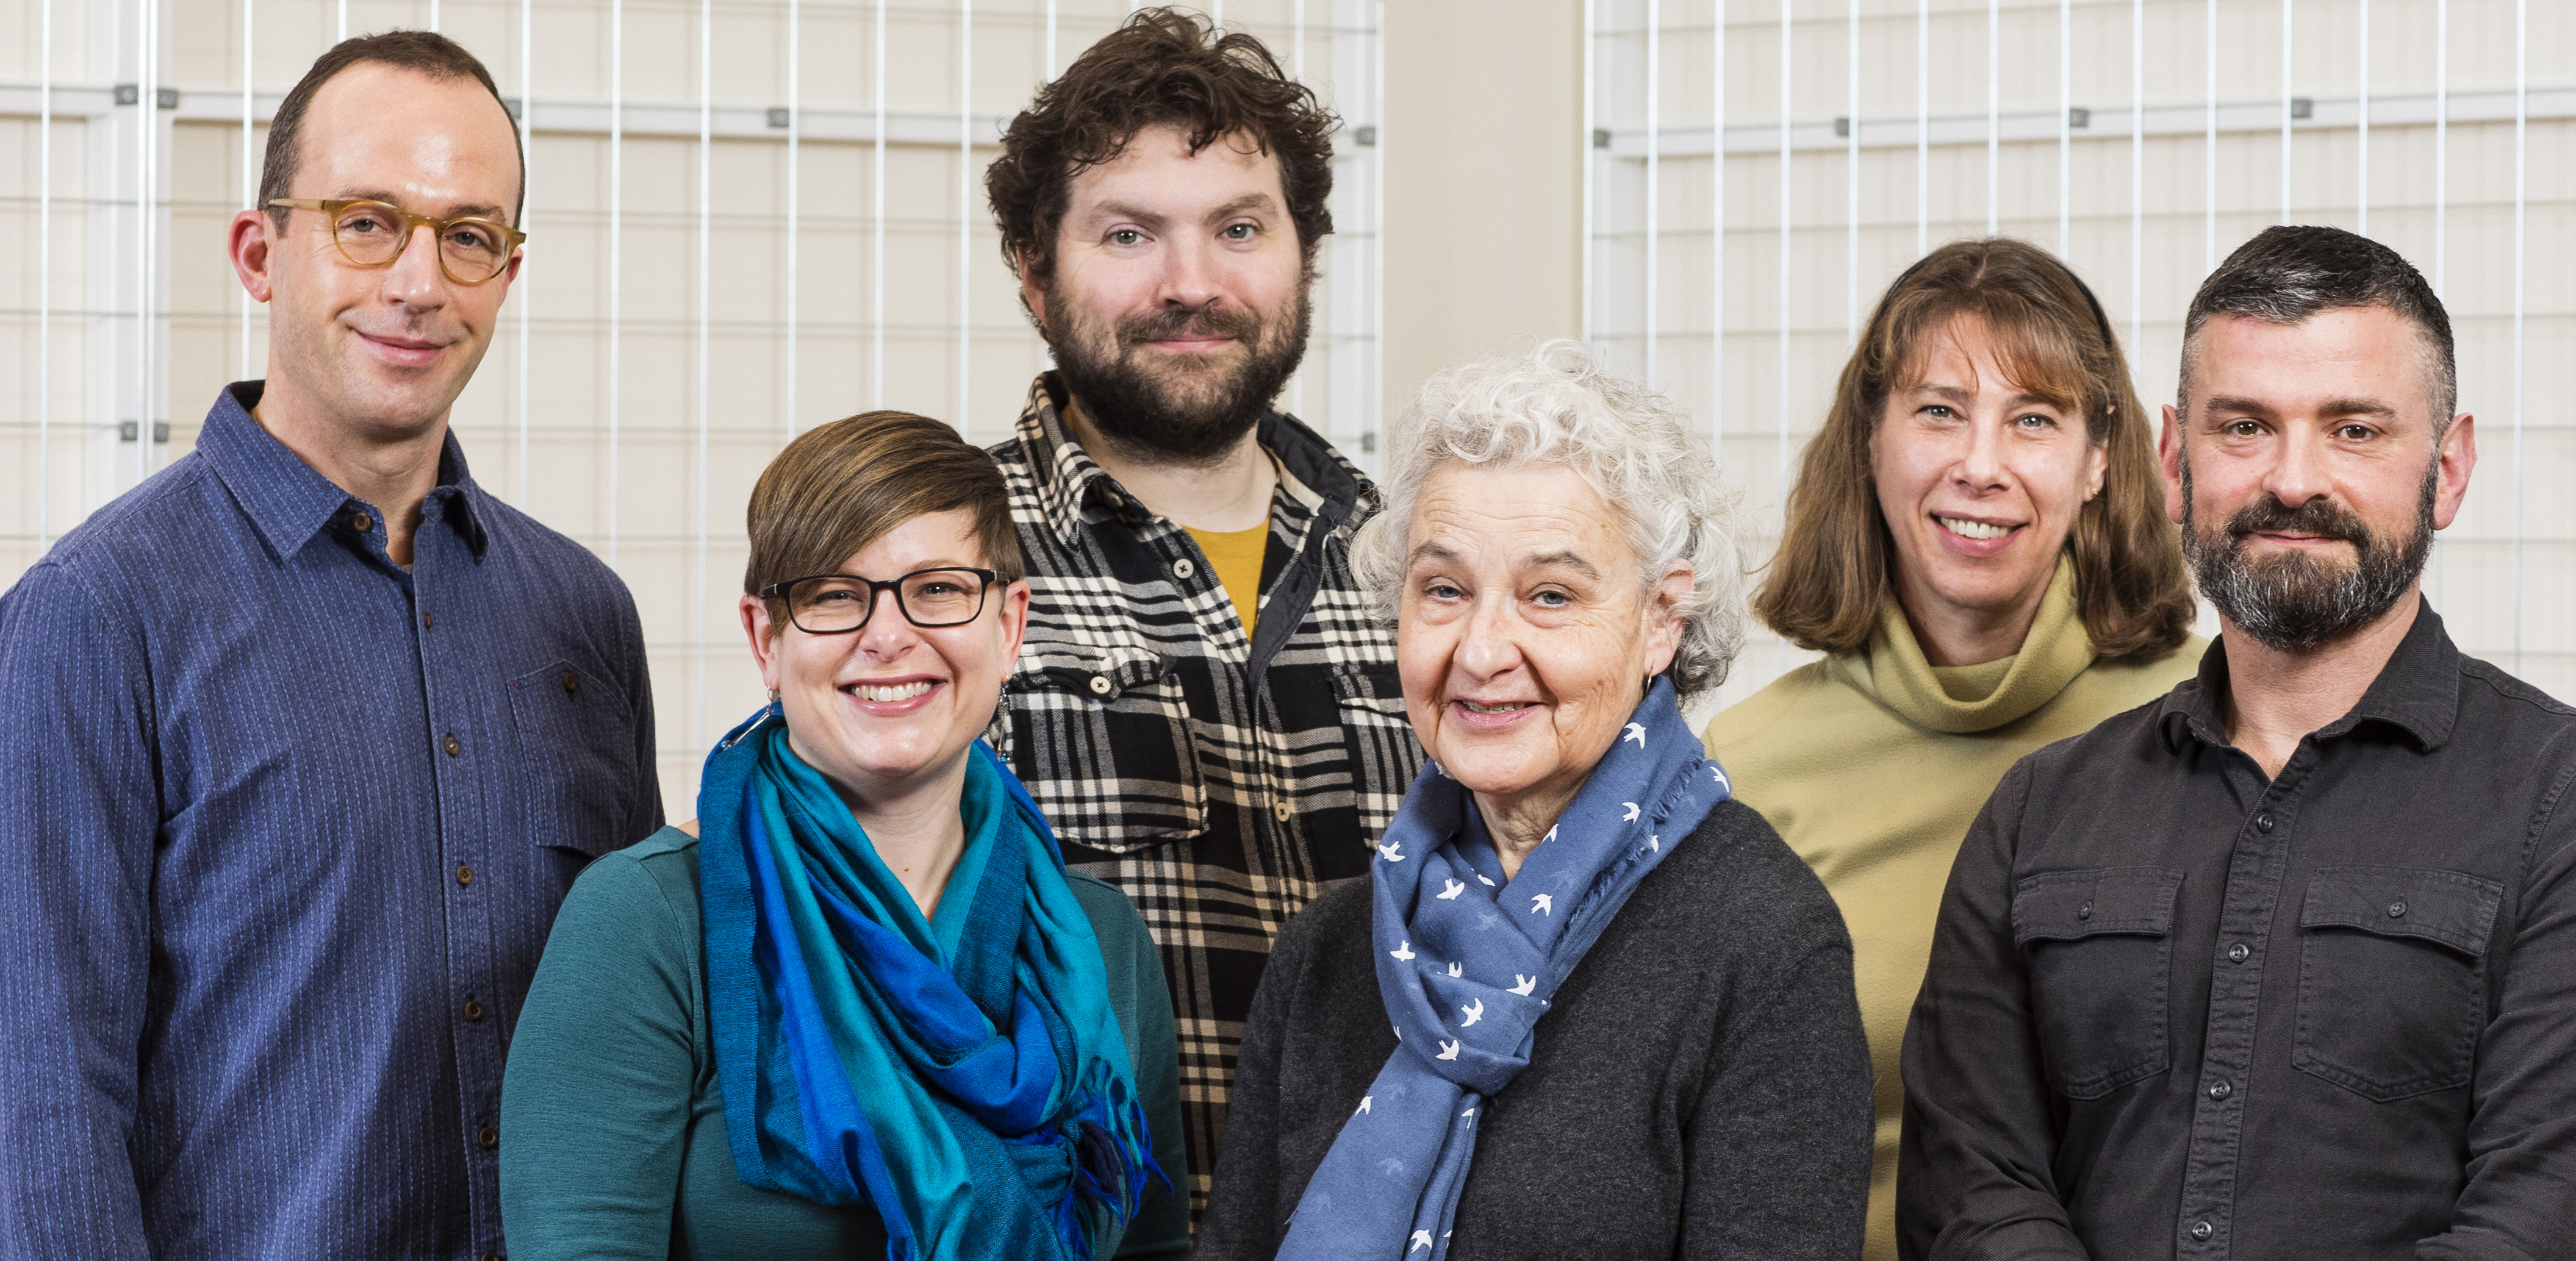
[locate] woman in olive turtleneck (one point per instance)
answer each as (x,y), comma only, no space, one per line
(1977,542)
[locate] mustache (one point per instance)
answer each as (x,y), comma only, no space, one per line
(2317,516)
(1207,321)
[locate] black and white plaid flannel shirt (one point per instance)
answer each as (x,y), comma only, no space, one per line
(1222,783)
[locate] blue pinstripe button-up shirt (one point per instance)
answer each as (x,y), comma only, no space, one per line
(284,828)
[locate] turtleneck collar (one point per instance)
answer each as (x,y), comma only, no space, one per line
(1961,699)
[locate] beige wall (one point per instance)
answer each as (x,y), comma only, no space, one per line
(1484,194)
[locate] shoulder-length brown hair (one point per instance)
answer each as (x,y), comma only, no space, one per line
(1825,585)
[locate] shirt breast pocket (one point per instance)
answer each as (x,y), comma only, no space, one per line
(1380,737)
(1101,736)
(577,763)
(2392,978)
(2100,950)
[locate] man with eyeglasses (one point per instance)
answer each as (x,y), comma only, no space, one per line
(307,737)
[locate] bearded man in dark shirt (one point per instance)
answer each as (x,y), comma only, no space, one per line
(2283,965)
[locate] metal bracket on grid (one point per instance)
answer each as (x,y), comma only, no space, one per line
(1364,136)
(780,117)
(125,431)
(130,93)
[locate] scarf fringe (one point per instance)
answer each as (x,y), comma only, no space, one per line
(1113,1152)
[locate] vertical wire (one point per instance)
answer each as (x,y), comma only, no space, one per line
(795,155)
(1784,262)
(2137,173)
(1296,71)
(249,176)
(344,21)
(1851,177)
(1994,113)
(2065,118)
(1717,246)
(2521,169)
(1922,128)
(965,202)
(433,15)
(1049,76)
(2209,148)
(1377,216)
(616,245)
(2441,213)
(147,108)
(1654,174)
(876,264)
(1591,55)
(706,205)
(44,273)
(2287,110)
(527,111)
(2361,184)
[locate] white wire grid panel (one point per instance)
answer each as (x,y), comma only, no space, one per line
(2143,140)
(746,217)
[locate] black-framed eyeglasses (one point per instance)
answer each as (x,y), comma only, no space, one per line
(836,604)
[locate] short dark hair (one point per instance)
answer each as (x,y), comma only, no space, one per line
(841,486)
(2289,272)
(1160,67)
(425,52)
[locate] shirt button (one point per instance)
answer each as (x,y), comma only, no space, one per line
(2085,911)
(454,746)
(488,1137)
(1100,685)
(1279,809)
(425,619)
(1183,568)
(2199,1230)
(361,524)
(1113,499)
(2397,910)
(571,682)
(2239,953)
(2220,1091)
(2263,821)
(473,1010)
(464,874)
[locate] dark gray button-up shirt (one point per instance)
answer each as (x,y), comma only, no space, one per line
(2177,1008)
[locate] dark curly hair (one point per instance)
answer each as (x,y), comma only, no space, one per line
(1160,67)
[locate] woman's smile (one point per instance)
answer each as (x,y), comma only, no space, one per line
(892,698)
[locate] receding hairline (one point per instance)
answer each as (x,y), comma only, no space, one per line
(2428,356)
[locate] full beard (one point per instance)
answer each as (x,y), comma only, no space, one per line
(2296,602)
(1190,409)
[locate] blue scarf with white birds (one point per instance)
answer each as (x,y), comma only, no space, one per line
(1466,964)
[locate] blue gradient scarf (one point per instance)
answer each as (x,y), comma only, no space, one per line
(1466,964)
(963,1074)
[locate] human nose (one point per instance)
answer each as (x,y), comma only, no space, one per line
(416,277)
(1189,272)
(887,633)
(2297,474)
(1980,464)
(1487,646)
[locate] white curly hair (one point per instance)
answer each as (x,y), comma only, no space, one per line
(1555,405)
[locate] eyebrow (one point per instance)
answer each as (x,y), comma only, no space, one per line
(2331,407)
(1565,560)
(1959,394)
(1157,220)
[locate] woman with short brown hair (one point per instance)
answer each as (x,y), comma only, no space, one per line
(858,1007)
(1977,541)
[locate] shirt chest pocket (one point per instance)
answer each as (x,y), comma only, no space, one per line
(1101,736)
(1379,735)
(2392,978)
(2100,949)
(577,773)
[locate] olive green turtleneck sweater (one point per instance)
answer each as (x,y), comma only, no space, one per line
(1872,764)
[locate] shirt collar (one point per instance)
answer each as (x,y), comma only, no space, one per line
(289,501)
(2417,692)
(1074,492)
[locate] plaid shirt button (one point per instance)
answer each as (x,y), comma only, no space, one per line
(1100,685)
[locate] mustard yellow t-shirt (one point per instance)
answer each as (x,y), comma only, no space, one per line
(1236,556)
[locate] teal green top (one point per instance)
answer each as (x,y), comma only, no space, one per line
(613,1126)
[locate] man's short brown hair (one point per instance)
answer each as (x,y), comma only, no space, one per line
(1160,68)
(422,52)
(841,486)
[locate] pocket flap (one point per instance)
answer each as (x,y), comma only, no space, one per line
(1376,685)
(2066,905)
(2453,908)
(1103,676)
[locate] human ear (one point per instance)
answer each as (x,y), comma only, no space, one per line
(764,640)
(249,244)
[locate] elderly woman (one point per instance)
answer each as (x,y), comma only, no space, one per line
(1587,1005)
(1977,542)
(859,1008)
